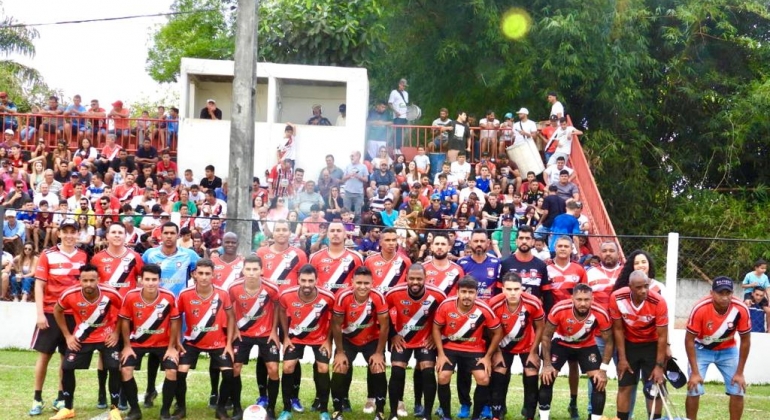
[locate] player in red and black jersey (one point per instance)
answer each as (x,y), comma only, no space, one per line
(521,317)
(95,310)
(149,319)
(569,335)
(388,267)
(440,271)
(335,264)
(360,324)
(210,328)
(255,305)
(305,318)
(458,332)
(413,307)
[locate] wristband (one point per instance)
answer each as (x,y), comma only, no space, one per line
(660,365)
(604,366)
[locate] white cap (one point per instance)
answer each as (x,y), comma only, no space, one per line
(9,131)
(523,111)
(210,100)
(10,213)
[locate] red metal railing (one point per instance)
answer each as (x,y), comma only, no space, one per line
(130,132)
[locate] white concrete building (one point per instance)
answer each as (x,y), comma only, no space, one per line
(285,93)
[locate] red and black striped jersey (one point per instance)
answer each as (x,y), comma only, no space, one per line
(118,271)
(309,322)
(254,312)
(577,332)
(640,323)
(94,320)
(413,318)
(282,268)
(59,270)
(518,324)
(443,279)
(205,319)
(359,320)
(150,321)
(387,273)
(715,331)
(335,273)
(464,331)
(226,273)
(564,279)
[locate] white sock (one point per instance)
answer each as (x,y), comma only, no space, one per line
(545,414)
(596,417)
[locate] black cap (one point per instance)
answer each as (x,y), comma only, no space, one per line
(722,283)
(157,208)
(68,222)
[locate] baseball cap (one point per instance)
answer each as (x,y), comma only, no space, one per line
(523,111)
(211,101)
(554,117)
(117,103)
(508,115)
(162,191)
(435,196)
(165,214)
(156,208)
(722,283)
(343,108)
(3,95)
(507,216)
(404,82)
(674,374)
(417,185)
(75,175)
(10,213)
(68,222)
(9,131)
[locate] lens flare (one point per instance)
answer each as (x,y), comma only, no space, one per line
(515,24)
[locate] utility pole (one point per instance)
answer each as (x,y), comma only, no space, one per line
(242,125)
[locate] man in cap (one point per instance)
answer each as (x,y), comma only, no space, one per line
(507,230)
(506,133)
(8,108)
(120,115)
(710,339)
(317,118)
(343,114)
(210,111)
(398,101)
(525,129)
(14,233)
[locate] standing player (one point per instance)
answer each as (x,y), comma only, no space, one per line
(640,329)
(532,270)
(336,264)
(305,317)
(254,300)
(210,328)
(458,332)
(281,263)
(569,334)
(227,268)
(119,268)
(388,267)
(57,270)
(176,265)
(359,325)
(521,316)
(149,324)
(414,305)
(710,339)
(95,310)
(441,272)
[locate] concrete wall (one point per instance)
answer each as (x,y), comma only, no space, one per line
(689,292)
(296,101)
(222,93)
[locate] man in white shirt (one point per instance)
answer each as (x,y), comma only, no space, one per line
(45,194)
(398,101)
(446,169)
(556,107)
(489,130)
(551,173)
(563,135)
(341,118)
(422,161)
(524,129)
(470,189)
(440,131)
(460,168)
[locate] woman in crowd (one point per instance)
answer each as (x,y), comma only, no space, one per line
(61,154)
(184,197)
(23,280)
(85,234)
(510,189)
(295,227)
(258,204)
(639,260)
(84,153)
(382,156)
(530,218)
(36,175)
(333,205)
(410,174)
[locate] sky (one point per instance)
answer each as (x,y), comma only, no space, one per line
(100,60)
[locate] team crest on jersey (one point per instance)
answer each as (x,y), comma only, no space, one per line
(196,312)
(490,272)
(108,269)
(453,315)
(379,272)
(195,302)
(139,314)
(709,325)
(405,312)
(452,325)
(297,314)
(592,358)
(569,330)
(83,312)
(353,314)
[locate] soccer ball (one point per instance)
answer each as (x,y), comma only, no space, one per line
(255,412)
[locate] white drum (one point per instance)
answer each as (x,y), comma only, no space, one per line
(527,157)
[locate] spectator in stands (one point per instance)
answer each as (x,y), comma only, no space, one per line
(85,153)
(506,134)
(311,224)
(213,237)
(306,198)
(14,233)
(123,159)
(355,179)
(214,206)
(383,176)
(171,134)
(565,224)
(45,193)
(341,118)
(440,132)
(508,172)
(24,273)
(377,202)
(489,131)
(210,111)
(166,164)
(565,189)
(484,181)
(146,174)
(210,181)
(317,118)
(461,169)
(147,154)
(333,205)
(388,215)
(563,135)
(545,135)
(491,212)
(398,102)
(51,124)
(377,123)
(9,109)
(436,215)
(530,218)
(508,222)
(326,183)
(16,198)
(334,171)
(85,235)
(120,115)
(446,170)
(460,139)
(98,124)
(471,189)
(62,174)
(552,173)
(75,126)
(552,206)
(525,129)
(556,107)
(61,153)
(756,278)
(159,127)
(108,154)
(759,311)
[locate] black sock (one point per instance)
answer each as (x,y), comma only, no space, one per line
(480,399)
(235,393)
(214,377)
(623,416)
(261,377)
(272,392)
(39,396)
(444,400)
(379,389)
(530,396)
(396,387)
(101,376)
(573,400)
(322,384)
(338,390)
(287,389)
(464,386)
(132,393)
(68,385)
(225,388)
(545,396)
(369,384)
(417,383)
(657,416)
(297,380)
(429,389)
(153,365)
(60,396)
(597,402)
(169,392)
(497,384)
(181,389)
(348,381)
(113,386)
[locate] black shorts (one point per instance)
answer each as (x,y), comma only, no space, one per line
(352,350)
(50,339)
(641,358)
(81,359)
(159,352)
(268,351)
(219,359)
(321,356)
(588,358)
(464,361)
(456,144)
(508,360)
(421,354)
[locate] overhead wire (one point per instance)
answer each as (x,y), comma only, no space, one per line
(106,19)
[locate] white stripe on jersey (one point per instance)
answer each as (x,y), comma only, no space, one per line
(419,315)
(390,276)
(339,273)
(312,317)
(196,330)
(120,270)
(511,336)
(283,265)
(472,318)
(358,322)
(716,336)
(580,335)
(259,302)
(234,274)
(147,325)
(83,327)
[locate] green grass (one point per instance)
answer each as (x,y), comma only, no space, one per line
(16,382)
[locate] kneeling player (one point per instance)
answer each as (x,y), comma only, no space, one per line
(305,315)
(359,325)
(149,320)
(95,309)
(254,300)
(569,335)
(210,328)
(521,316)
(458,332)
(414,305)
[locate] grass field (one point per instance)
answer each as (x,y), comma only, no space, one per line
(16,381)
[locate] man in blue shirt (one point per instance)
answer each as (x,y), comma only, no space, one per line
(9,109)
(370,243)
(14,233)
(565,224)
(75,125)
(758,310)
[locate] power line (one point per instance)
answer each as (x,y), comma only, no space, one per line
(69,22)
